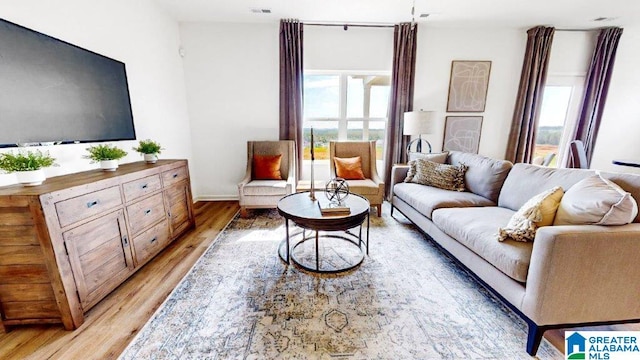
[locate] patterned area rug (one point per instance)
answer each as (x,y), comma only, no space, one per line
(405,301)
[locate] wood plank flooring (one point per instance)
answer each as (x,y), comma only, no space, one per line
(114,322)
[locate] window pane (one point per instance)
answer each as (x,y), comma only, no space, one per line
(379,101)
(354,130)
(553,114)
(355,96)
(321,96)
(323,132)
(376,132)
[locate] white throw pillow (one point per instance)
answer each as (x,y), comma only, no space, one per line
(598,201)
(537,211)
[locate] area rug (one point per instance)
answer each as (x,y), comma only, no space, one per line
(407,300)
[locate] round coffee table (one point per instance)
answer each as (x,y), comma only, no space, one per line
(332,252)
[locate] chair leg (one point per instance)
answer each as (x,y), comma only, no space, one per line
(379,207)
(243,212)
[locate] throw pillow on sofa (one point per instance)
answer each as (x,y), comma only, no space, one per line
(538,211)
(443,176)
(598,201)
(436,158)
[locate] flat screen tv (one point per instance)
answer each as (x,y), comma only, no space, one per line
(53,91)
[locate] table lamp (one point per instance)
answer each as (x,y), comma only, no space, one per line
(418,123)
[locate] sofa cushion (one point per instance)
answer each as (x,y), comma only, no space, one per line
(476,229)
(439,158)
(484,176)
(596,201)
(265,187)
(540,210)
(426,199)
(443,176)
(525,181)
(629,183)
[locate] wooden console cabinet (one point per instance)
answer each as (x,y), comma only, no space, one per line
(66,244)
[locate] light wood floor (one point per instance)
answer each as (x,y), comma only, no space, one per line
(113,323)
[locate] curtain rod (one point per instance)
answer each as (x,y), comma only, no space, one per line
(346,25)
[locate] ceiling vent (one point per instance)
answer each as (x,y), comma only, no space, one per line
(260,11)
(424,15)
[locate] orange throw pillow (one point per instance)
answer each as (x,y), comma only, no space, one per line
(349,168)
(267,167)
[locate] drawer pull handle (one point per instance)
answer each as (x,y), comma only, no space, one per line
(91,204)
(175,176)
(147,212)
(154,240)
(125,240)
(145,186)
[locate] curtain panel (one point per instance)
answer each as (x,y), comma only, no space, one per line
(596,89)
(529,99)
(401,96)
(291,86)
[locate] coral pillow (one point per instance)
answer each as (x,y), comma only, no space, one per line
(349,168)
(267,167)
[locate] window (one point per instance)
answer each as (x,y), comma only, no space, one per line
(344,106)
(558,115)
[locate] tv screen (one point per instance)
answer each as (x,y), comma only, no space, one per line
(53,91)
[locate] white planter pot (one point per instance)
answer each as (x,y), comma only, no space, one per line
(109,165)
(31,178)
(151,158)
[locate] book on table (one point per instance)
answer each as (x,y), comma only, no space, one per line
(332,208)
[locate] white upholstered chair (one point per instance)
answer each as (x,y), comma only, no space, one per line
(372,187)
(261,194)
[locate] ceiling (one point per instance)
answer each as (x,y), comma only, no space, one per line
(563,14)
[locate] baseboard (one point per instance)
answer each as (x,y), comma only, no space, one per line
(216,198)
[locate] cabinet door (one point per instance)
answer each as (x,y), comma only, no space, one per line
(178,198)
(100,256)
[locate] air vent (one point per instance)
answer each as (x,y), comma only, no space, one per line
(424,16)
(604,19)
(260,11)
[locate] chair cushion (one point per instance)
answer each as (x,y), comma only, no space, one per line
(476,229)
(265,187)
(426,199)
(349,168)
(267,167)
(363,187)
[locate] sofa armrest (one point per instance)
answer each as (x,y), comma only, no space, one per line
(398,174)
(583,273)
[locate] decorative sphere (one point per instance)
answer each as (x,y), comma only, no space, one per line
(337,190)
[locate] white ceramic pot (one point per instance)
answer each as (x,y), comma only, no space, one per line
(31,178)
(109,165)
(151,158)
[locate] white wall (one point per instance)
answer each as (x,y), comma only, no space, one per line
(232,77)
(136,33)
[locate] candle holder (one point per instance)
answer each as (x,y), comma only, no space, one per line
(312,192)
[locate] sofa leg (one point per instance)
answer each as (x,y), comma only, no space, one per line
(534,338)
(392,207)
(379,207)
(243,212)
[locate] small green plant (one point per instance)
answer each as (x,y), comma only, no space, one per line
(26,161)
(148,147)
(104,152)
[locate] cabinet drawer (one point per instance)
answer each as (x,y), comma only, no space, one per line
(82,207)
(171,177)
(150,242)
(140,187)
(145,212)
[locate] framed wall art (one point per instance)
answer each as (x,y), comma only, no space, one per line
(468,86)
(462,133)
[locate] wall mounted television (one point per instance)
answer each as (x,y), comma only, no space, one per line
(52,91)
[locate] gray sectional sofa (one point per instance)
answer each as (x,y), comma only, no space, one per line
(569,276)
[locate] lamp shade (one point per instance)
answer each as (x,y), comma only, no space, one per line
(418,122)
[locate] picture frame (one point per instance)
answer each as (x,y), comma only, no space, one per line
(462,133)
(468,85)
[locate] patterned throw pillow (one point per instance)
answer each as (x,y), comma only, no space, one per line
(538,211)
(443,176)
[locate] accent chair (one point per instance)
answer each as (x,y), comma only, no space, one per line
(372,186)
(260,192)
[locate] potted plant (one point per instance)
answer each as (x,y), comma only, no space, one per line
(150,149)
(106,155)
(27,166)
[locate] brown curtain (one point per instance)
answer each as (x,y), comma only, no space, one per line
(596,88)
(532,80)
(401,96)
(291,92)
